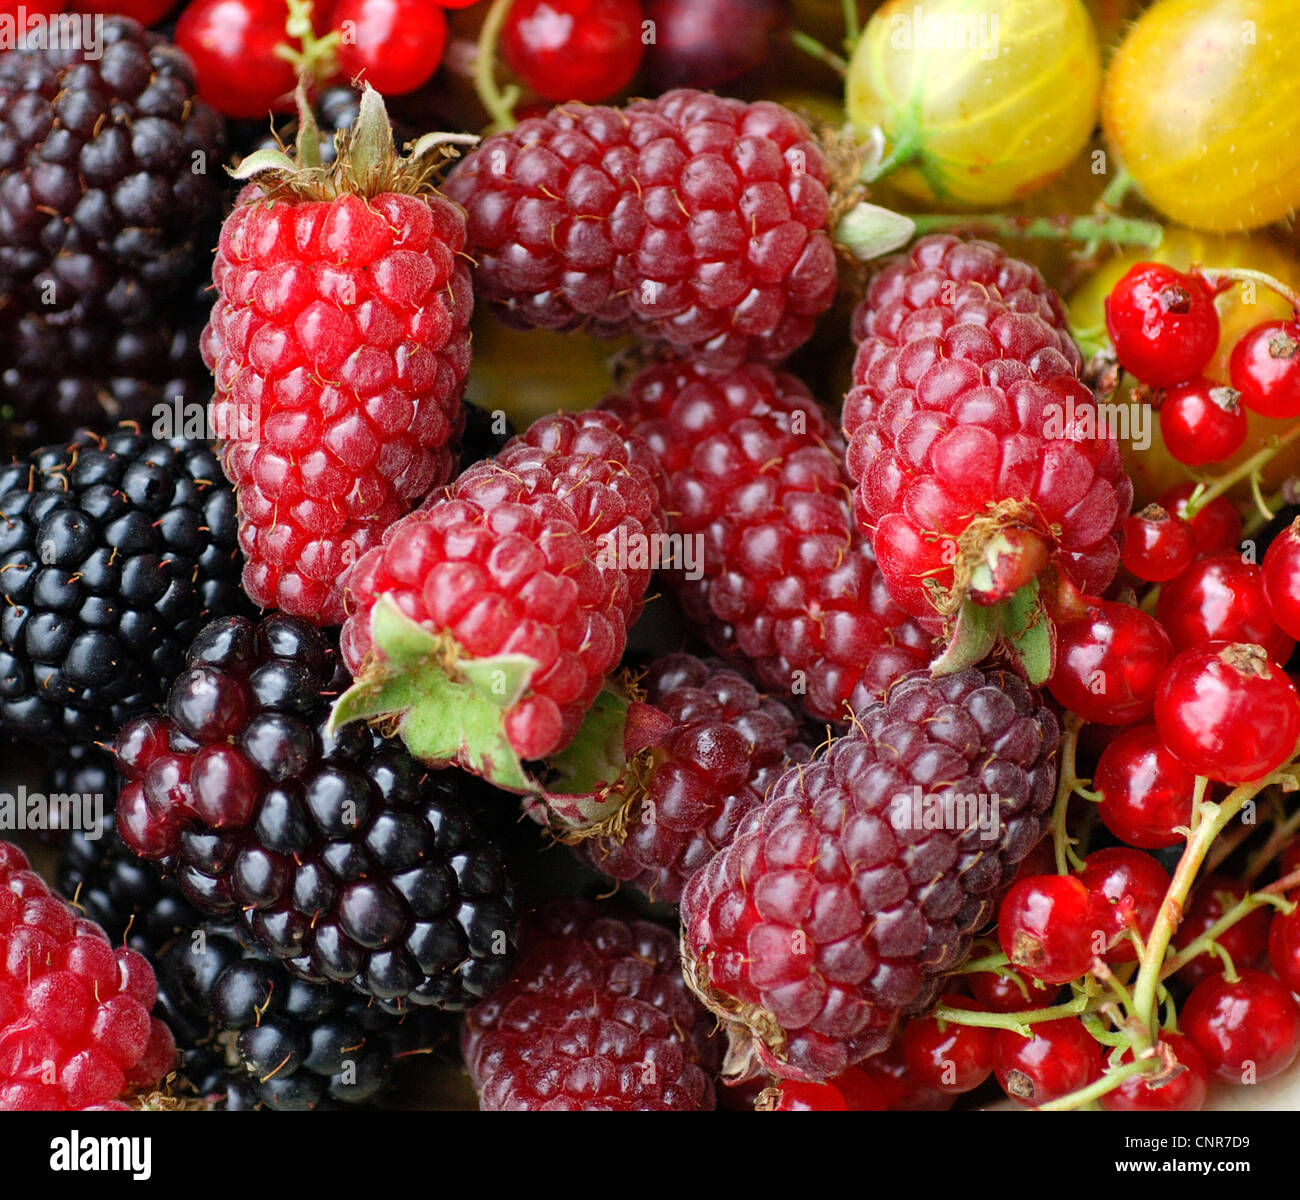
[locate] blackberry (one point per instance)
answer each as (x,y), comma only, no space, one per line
(338,852)
(129,899)
(840,903)
(110,191)
(114,551)
(254,1037)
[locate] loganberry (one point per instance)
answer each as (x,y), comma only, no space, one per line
(1281,570)
(1157,546)
(1181,1090)
(1202,421)
(1221,599)
(1245,943)
(1163,324)
(945,1056)
(1057,1058)
(1216,527)
(1128,888)
(580,50)
(1146,793)
(1228,713)
(1109,663)
(1247,1029)
(1046,924)
(1265,369)
(1284,947)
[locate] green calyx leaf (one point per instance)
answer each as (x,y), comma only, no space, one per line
(1019,627)
(867,231)
(446,708)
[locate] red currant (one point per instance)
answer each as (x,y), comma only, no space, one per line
(232,45)
(945,1056)
(1058,1058)
(1109,663)
(395,44)
(1182,1091)
(1247,1030)
(584,50)
(1221,599)
(1246,942)
(1157,546)
(889,1072)
(1010,990)
(1284,947)
(1163,324)
(1202,422)
(1128,888)
(147,12)
(861,1093)
(1265,369)
(1046,925)
(702,45)
(1228,713)
(1216,527)
(1146,793)
(1281,570)
(809,1097)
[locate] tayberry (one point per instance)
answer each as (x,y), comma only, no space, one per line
(1109,663)
(1221,599)
(1146,793)
(1202,422)
(1058,1057)
(1247,1030)
(1228,713)
(1128,888)
(1163,324)
(1265,369)
(1046,925)
(1157,546)
(583,50)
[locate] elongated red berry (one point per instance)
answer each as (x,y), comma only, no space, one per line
(339,345)
(690,219)
(783,580)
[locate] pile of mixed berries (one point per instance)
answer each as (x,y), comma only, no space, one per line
(824,716)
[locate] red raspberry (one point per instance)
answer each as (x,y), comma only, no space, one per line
(691,219)
(841,902)
(728,744)
(596,1018)
(75,1029)
(506,597)
(976,449)
(787,583)
(339,344)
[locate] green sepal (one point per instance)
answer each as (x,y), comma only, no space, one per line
(974,635)
(1028,634)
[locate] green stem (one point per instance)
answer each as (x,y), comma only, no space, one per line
(1019,1022)
(1282,834)
(499,103)
(1124,231)
(1210,490)
(905,150)
(1273,895)
(814,49)
(1117,190)
(1066,783)
(1256,520)
(1107,1083)
(1243,275)
(852,26)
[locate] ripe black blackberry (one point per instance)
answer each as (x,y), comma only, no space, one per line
(339,852)
(113,552)
(255,1037)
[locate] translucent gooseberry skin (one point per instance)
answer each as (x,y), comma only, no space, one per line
(992,121)
(1231,159)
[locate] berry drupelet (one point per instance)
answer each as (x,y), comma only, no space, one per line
(337,851)
(862,879)
(596,1018)
(690,219)
(75,1030)
(114,551)
(786,583)
(254,1037)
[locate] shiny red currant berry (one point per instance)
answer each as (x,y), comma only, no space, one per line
(1157,546)
(1281,569)
(808,1097)
(1284,947)
(1265,369)
(893,1079)
(1128,888)
(1202,422)
(396,45)
(1216,527)
(1011,990)
(1058,1058)
(946,1056)
(1226,712)
(1046,925)
(1109,663)
(1245,943)
(1179,1087)
(1221,599)
(584,50)
(1146,793)
(1247,1030)
(232,44)
(1163,324)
